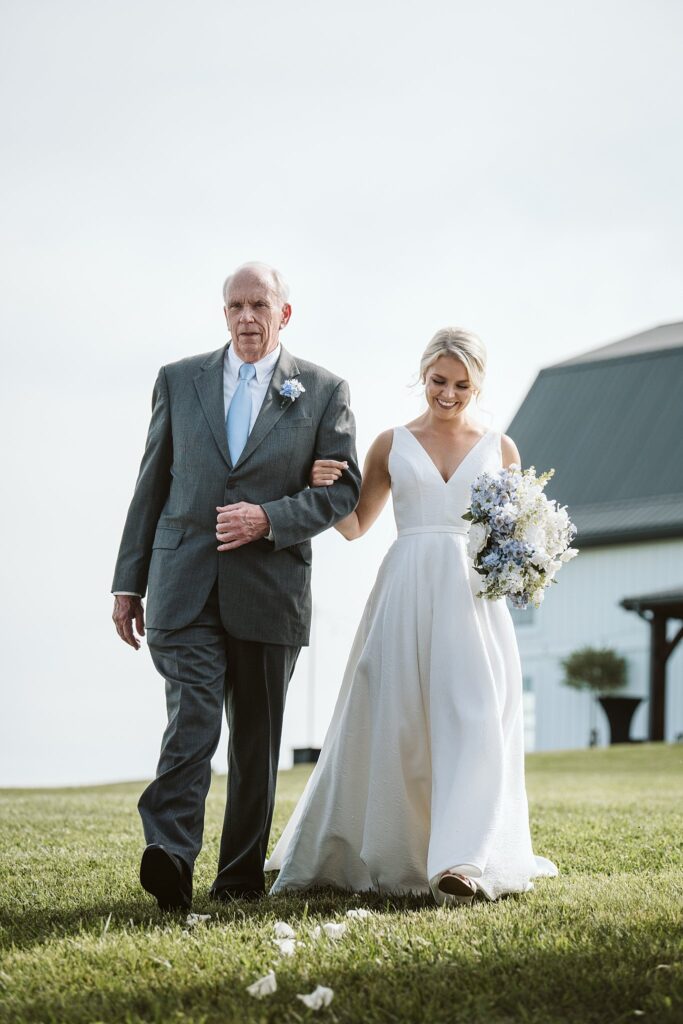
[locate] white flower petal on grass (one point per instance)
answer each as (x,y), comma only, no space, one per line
(164,963)
(195,919)
(265,986)
(334,931)
(316,932)
(358,913)
(283,930)
(319,997)
(287,947)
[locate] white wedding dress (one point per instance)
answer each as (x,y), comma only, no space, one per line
(422,768)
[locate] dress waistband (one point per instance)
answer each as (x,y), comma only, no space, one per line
(464,530)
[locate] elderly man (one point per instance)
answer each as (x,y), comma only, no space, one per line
(219,529)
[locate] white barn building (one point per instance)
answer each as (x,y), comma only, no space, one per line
(611,424)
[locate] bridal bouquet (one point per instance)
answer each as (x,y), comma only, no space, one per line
(519,538)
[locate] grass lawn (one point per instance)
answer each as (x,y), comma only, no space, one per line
(81,942)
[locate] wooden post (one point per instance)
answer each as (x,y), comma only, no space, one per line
(658,656)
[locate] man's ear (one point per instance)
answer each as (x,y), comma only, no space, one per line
(286,314)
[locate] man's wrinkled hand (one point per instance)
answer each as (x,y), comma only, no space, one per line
(129,610)
(240,524)
(325,472)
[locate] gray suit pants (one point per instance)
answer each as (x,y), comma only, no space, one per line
(205,668)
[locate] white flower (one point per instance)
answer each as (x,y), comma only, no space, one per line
(534,535)
(478,535)
(318,998)
(195,919)
(359,913)
(567,555)
(265,986)
(316,932)
(283,930)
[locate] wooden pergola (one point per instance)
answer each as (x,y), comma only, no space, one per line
(658,610)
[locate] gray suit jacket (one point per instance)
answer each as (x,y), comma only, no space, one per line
(169,542)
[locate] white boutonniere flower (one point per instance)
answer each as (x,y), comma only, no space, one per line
(291,390)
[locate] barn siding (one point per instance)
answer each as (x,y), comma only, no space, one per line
(583,610)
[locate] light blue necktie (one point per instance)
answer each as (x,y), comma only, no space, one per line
(239,413)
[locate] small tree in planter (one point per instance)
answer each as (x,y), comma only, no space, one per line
(602,671)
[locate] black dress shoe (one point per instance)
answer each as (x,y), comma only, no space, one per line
(238,892)
(167,877)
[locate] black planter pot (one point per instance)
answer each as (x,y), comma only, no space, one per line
(306,755)
(619,711)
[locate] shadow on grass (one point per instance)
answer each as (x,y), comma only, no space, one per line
(521,983)
(26,928)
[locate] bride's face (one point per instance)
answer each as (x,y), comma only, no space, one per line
(448,389)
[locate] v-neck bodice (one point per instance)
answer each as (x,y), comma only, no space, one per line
(423,500)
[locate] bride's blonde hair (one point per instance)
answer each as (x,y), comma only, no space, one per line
(462,345)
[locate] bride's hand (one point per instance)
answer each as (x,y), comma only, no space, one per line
(325,472)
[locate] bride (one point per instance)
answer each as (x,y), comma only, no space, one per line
(420,782)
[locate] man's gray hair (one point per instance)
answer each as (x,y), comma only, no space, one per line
(278,283)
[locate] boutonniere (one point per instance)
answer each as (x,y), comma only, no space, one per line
(290,391)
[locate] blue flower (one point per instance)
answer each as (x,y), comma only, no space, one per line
(291,389)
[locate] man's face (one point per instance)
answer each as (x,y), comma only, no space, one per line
(255,315)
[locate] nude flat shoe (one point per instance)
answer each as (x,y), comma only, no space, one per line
(459,888)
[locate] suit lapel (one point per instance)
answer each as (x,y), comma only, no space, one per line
(209,385)
(273,408)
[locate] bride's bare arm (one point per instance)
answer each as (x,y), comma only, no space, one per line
(509,451)
(374,489)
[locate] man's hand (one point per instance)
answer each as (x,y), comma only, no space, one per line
(240,524)
(126,611)
(326,471)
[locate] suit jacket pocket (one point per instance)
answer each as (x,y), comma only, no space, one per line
(289,422)
(304,551)
(167,537)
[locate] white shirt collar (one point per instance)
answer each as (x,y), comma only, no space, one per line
(264,367)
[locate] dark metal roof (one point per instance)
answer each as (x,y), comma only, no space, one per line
(611,424)
(669,602)
(654,339)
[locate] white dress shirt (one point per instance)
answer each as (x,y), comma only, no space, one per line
(258,386)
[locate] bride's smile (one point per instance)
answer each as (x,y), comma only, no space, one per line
(448,388)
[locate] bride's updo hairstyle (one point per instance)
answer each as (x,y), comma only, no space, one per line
(468,348)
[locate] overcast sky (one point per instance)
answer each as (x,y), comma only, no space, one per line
(511,168)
